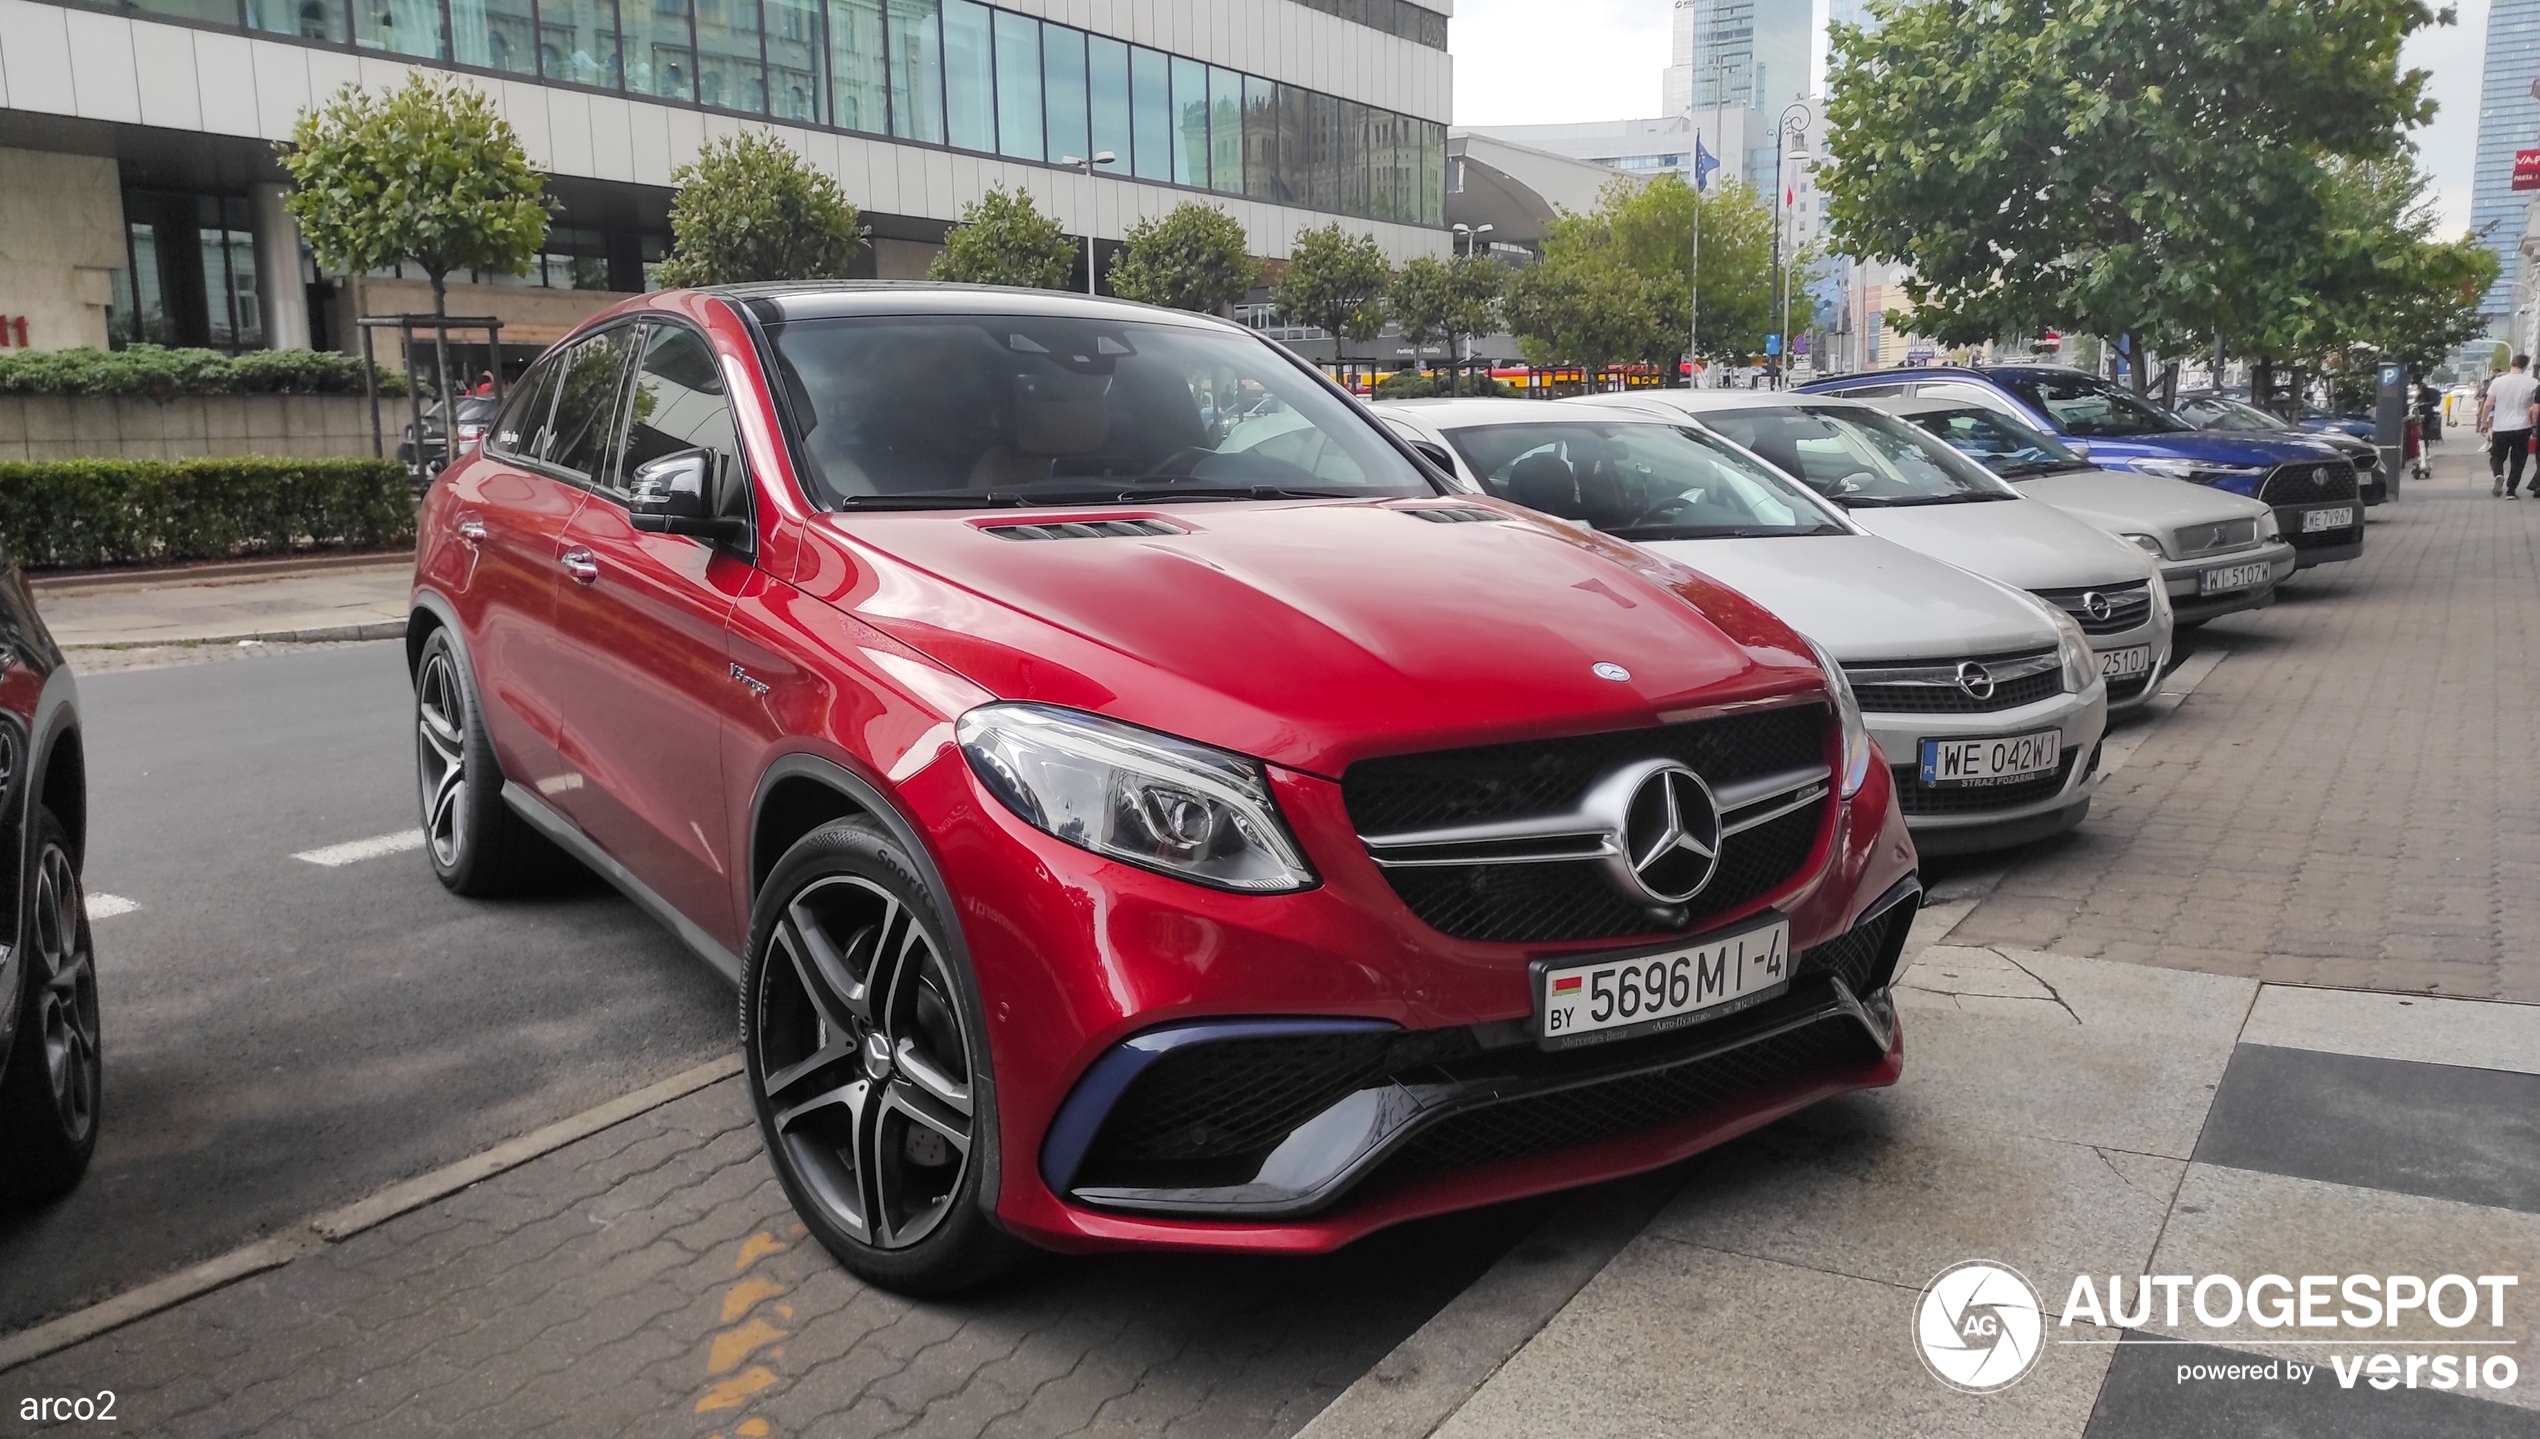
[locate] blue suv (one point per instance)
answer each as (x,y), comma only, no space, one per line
(2311,486)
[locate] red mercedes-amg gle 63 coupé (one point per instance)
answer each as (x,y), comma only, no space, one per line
(1140,803)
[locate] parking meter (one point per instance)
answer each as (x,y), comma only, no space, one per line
(2390,422)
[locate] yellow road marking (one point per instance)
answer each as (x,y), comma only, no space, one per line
(735,1391)
(734,1345)
(743,1297)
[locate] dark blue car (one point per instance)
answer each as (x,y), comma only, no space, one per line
(2311,486)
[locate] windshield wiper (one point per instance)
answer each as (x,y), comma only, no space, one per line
(1141,494)
(1720,532)
(1900,502)
(964,500)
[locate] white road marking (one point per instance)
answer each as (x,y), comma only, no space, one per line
(107,906)
(357,850)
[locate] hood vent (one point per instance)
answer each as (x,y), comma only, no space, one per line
(1442,515)
(1082,530)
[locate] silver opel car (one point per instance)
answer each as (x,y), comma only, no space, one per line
(1987,703)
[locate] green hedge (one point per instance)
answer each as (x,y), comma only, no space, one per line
(1413,385)
(79,513)
(163,374)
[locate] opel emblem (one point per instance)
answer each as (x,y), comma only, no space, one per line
(1608,670)
(1975,680)
(2096,605)
(1671,836)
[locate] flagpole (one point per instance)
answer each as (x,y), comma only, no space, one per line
(1693,285)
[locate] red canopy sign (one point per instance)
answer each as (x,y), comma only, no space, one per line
(2527,169)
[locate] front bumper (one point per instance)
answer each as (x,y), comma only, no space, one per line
(2183,579)
(2321,547)
(2131,693)
(1960,820)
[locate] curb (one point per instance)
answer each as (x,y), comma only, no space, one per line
(337,1225)
(213,573)
(376,630)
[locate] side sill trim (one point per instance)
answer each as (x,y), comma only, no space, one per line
(574,842)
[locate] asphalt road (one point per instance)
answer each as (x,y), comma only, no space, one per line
(282,1037)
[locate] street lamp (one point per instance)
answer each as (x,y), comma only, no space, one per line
(1467,235)
(1796,117)
(1086,165)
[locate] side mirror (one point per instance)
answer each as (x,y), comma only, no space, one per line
(1435,454)
(2081,450)
(674,496)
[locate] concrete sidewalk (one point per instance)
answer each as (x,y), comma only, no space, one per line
(363,600)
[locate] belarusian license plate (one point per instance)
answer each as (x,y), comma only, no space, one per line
(2125,663)
(2314,521)
(1616,998)
(2231,577)
(2004,760)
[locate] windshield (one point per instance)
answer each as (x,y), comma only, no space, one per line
(1999,443)
(2213,412)
(921,412)
(2086,405)
(1859,458)
(1638,481)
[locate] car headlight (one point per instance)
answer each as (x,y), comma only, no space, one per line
(1847,708)
(2149,544)
(2198,472)
(1131,794)
(2081,662)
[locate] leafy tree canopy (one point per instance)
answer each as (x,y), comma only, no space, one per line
(749,208)
(1573,310)
(427,174)
(1192,259)
(1002,238)
(1336,281)
(1647,227)
(2375,280)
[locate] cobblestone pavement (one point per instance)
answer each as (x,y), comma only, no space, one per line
(2350,798)
(651,1280)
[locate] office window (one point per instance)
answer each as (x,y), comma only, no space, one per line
(497,34)
(1018,41)
(730,75)
(1225,130)
(1261,138)
(577,41)
(1151,97)
(1289,184)
(1190,122)
(917,71)
(209,12)
(1063,92)
(400,27)
(858,99)
(970,95)
(1380,166)
(1322,140)
(1351,158)
(659,48)
(1107,95)
(1432,200)
(307,19)
(794,60)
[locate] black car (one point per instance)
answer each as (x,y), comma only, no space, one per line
(49,1059)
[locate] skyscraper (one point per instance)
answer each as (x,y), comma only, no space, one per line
(1738,52)
(2508,120)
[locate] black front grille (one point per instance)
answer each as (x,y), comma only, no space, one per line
(1235,1097)
(2128,687)
(1865,957)
(2126,605)
(1951,700)
(1915,797)
(2309,482)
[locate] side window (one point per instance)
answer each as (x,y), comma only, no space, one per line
(680,404)
(589,384)
(1870,392)
(1960,392)
(525,412)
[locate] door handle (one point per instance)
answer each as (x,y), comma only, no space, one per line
(472,530)
(582,565)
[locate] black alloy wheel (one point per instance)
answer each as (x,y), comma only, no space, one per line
(868,1065)
(51,1090)
(477,846)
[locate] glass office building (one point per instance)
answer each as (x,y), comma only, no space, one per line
(2508,120)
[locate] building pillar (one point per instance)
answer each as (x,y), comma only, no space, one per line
(286,299)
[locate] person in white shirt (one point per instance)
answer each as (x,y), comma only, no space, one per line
(2513,402)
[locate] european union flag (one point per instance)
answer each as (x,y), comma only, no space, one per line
(1704,162)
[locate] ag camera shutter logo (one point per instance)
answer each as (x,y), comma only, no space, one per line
(1979,1326)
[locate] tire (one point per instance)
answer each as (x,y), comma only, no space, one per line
(50,1091)
(478,847)
(868,1066)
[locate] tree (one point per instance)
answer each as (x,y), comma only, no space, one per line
(749,208)
(1192,259)
(1647,227)
(1423,303)
(1003,239)
(1480,282)
(2115,168)
(427,174)
(1336,282)
(1577,310)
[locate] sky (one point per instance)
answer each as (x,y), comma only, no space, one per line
(1537,62)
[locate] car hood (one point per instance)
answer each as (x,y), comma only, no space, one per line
(1868,599)
(2122,502)
(1311,633)
(2229,447)
(2023,542)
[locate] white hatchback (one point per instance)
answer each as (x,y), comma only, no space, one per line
(1903,485)
(1986,702)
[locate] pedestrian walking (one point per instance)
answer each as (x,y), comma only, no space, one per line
(2429,413)
(2513,398)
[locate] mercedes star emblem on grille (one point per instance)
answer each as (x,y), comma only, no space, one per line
(1608,670)
(2097,605)
(1671,836)
(1975,679)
